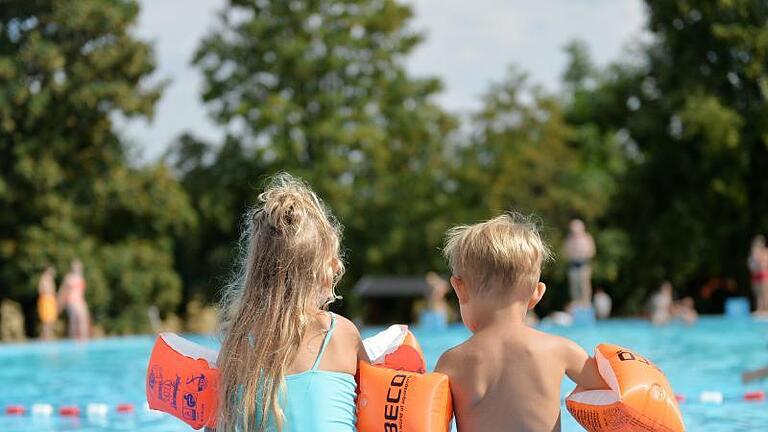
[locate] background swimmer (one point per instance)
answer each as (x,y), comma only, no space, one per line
(72,298)
(661,304)
(47,307)
(602,303)
(758,269)
(685,311)
(579,250)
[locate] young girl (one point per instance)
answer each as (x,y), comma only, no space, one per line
(286,364)
(758,269)
(72,297)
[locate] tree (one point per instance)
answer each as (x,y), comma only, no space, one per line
(692,112)
(525,156)
(66,186)
(318,88)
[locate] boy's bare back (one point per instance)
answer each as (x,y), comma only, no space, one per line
(508,379)
(507,376)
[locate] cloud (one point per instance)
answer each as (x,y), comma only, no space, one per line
(471,43)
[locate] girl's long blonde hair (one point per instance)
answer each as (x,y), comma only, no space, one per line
(291,262)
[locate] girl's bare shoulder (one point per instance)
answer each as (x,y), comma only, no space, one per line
(344,347)
(347,330)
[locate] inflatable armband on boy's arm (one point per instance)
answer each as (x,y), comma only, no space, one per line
(394,393)
(182,380)
(640,397)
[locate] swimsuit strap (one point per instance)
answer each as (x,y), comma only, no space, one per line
(325,341)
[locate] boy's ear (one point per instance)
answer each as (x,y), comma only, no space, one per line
(538,293)
(460,288)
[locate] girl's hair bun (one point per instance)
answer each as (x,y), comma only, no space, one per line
(282,211)
(286,203)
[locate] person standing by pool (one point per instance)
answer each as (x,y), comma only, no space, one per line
(286,363)
(579,250)
(661,305)
(47,308)
(758,268)
(72,298)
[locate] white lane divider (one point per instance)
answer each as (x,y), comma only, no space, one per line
(711,397)
(92,410)
(42,410)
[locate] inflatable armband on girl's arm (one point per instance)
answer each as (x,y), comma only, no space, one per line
(182,380)
(394,393)
(640,397)
(395,348)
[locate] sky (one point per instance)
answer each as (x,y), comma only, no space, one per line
(468,45)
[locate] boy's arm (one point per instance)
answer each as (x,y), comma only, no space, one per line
(581,368)
(447,364)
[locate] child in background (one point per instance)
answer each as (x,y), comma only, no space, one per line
(286,363)
(602,303)
(47,307)
(507,376)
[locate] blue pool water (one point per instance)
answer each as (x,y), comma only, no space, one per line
(708,356)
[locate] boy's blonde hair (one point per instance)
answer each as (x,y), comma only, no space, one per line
(506,251)
(291,255)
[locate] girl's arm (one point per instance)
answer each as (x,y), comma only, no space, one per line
(361,354)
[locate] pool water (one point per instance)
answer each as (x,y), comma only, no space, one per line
(709,356)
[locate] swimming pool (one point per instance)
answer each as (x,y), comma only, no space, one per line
(708,356)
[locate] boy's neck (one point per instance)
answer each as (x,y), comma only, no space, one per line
(492,312)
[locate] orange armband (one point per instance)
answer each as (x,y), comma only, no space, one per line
(394,393)
(401,401)
(182,380)
(640,397)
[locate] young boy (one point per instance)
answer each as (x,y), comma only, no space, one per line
(507,376)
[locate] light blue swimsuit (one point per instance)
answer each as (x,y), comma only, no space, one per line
(320,401)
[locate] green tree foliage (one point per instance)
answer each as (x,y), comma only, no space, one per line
(690,110)
(221,182)
(66,187)
(318,88)
(524,155)
(664,155)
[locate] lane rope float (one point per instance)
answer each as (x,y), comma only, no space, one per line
(91,410)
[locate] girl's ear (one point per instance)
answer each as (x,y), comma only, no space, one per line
(331,272)
(538,293)
(460,288)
